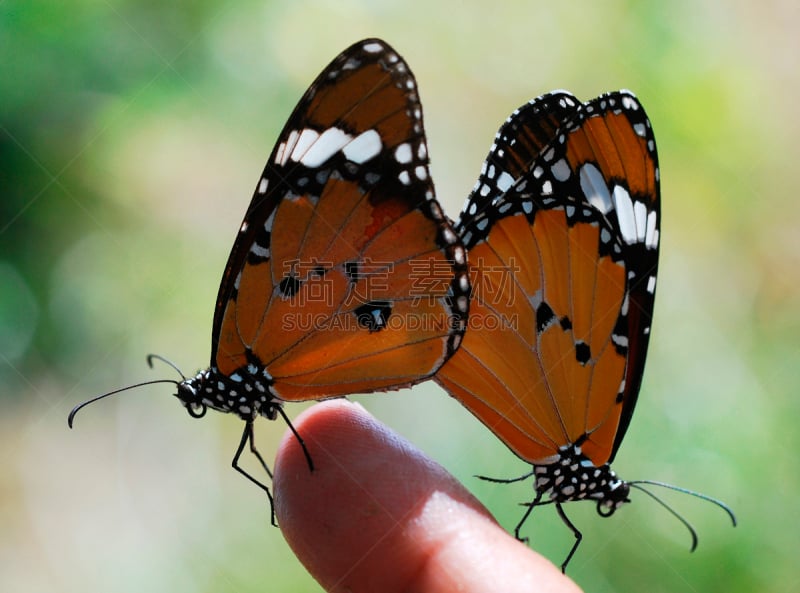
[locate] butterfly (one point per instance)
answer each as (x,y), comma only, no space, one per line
(345,275)
(562,230)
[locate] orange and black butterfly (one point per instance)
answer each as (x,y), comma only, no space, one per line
(345,276)
(562,230)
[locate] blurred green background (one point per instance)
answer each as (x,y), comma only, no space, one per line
(131,137)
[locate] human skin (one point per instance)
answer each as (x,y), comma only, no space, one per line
(376,514)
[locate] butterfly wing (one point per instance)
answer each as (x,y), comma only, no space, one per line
(563,272)
(516,145)
(345,276)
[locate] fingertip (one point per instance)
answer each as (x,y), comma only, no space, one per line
(377,514)
(475,554)
(348,519)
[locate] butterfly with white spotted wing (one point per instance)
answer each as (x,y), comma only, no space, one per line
(346,276)
(563,230)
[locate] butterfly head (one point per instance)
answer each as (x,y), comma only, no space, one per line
(190,394)
(614,497)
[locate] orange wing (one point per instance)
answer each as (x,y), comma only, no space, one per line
(346,276)
(563,269)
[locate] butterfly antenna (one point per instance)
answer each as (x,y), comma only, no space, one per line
(673,512)
(638,485)
(699,495)
(166,361)
(77,408)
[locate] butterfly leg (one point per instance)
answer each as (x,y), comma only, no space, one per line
(297,436)
(247,437)
(531,505)
(505,481)
(578,536)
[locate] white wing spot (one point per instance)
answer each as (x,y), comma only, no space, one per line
(373,47)
(404,178)
(351,64)
(463,283)
(594,188)
(651,284)
(625,216)
(301,144)
(460,256)
(364,147)
(628,102)
(560,170)
(322,148)
(262,185)
(651,240)
(504,181)
(280,158)
(640,214)
(402,154)
(286,148)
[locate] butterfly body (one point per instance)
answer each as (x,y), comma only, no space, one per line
(247,398)
(575,477)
